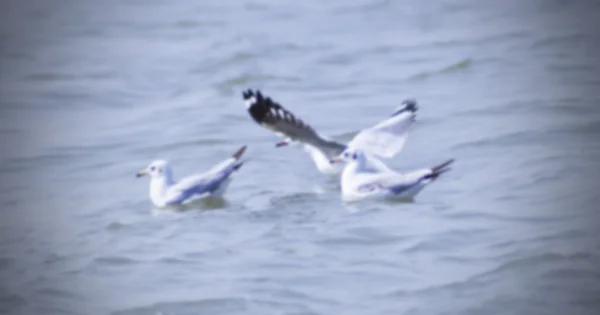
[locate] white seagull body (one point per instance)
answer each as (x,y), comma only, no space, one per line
(359,184)
(165,192)
(384,140)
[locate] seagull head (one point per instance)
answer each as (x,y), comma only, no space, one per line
(349,156)
(156,170)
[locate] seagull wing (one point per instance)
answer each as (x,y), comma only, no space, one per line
(388,137)
(280,120)
(204,184)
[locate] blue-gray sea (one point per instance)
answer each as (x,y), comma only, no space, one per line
(92,91)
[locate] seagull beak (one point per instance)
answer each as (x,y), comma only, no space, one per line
(335,159)
(141,173)
(281,144)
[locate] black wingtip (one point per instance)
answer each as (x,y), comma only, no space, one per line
(247,94)
(257,105)
(442,166)
(411,105)
(268,113)
(408,105)
(250,93)
(239,165)
(438,170)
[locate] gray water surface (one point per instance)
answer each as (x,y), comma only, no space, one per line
(93,91)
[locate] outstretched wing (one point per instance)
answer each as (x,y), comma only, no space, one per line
(204,184)
(388,137)
(278,119)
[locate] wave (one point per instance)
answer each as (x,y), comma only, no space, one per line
(229,305)
(234,84)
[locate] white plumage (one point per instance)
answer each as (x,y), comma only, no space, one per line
(164,191)
(359,183)
(383,140)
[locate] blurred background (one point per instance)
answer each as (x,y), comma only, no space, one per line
(92,91)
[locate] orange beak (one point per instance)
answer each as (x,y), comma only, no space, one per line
(141,173)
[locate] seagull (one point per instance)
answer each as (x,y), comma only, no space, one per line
(359,184)
(384,140)
(165,192)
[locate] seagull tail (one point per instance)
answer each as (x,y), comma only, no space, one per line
(238,154)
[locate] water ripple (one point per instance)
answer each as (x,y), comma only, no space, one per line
(91,94)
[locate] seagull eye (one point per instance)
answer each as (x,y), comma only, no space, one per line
(354,156)
(152,168)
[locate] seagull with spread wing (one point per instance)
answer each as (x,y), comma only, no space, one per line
(384,140)
(165,192)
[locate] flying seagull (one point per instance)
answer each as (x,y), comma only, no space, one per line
(384,140)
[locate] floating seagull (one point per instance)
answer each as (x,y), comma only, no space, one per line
(358,183)
(164,191)
(383,140)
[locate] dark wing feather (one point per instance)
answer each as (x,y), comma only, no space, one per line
(278,119)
